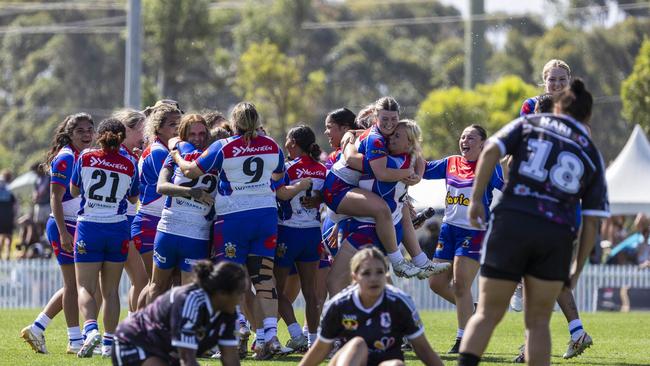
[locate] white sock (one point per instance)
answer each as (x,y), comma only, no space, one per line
(41,323)
(74,336)
(305,330)
(294,330)
(312,338)
(395,257)
(270,328)
(420,260)
(575,329)
(459,333)
(259,336)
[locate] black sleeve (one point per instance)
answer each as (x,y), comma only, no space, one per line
(408,317)
(594,200)
(183,319)
(330,323)
(228,337)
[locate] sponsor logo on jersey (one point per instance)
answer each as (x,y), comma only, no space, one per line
(230,250)
(302,172)
(81,247)
(61,165)
(466,242)
(456,200)
(350,322)
(236,150)
(95,161)
(384,343)
(384,319)
(59,175)
(281,250)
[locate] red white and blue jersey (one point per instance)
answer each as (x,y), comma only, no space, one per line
(291,213)
(528,107)
(332,158)
(555,165)
(459,174)
(150,163)
(393,193)
(60,172)
(244,171)
(105,180)
(182,215)
(130,207)
(372,145)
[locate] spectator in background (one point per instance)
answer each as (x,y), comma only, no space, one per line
(642,225)
(8,210)
(41,200)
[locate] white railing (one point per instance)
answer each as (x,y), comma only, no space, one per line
(30,283)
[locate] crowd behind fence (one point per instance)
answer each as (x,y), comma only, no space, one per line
(26,284)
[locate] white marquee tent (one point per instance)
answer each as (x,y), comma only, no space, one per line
(628,177)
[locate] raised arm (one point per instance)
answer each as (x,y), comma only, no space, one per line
(386,174)
(189,168)
(167,188)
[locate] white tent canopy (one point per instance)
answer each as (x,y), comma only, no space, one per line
(628,177)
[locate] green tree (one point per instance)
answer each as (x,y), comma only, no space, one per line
(635,90)
(503,100)
(274,82)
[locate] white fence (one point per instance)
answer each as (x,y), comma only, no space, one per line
(30,283)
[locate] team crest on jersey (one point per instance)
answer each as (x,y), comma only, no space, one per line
(521,190)
(230,250)
(81,247)
(384,343)
(281,250)
(350,322)
(384,319)
(466,242)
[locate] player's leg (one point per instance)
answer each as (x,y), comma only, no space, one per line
(539,300)
(165,260)
(353,353)
(137,274)
(340,276)
(444,253)
(465,270)
(580,340)
(308,271)
(418,257)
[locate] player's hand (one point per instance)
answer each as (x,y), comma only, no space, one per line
(202,196)
(412,180)
(348,138)
(476,215)
(66,241)
(312,202)
(172,142)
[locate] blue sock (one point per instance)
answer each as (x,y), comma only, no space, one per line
(90,325)
(108,339)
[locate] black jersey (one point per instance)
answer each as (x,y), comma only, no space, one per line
(181,317)
(382,326)
(555,165)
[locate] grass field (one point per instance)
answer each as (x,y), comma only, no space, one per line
(619,340)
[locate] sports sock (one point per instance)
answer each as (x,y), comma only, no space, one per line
(259,337)
(270,328)
(575,329)
(312,338)
(74,336)
(108,339)
(41,322)
(89,325)
(459,333)
(305,330)
(420,260)
(395,257)
(294,330)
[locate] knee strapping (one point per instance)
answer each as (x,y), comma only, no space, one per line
(260,270)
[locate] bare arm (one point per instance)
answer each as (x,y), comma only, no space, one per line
(133,199)
(385,174)
(56,199)
(316,354)
(187,356)
(486,163)
(189,168)
(425,353)
(74,190)
(585,245)
(165,187)
(286,193)
(353,158)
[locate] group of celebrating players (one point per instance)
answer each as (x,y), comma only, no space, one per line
(219,229)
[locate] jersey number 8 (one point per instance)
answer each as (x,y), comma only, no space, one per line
(565,174)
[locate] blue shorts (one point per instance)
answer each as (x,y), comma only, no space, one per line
(130,219)
(240,234)
(334,190)
(143,231)
(52,232)
(170,251)
(361,234)
(456,241)
(297,245)
(330,236)
(101,242)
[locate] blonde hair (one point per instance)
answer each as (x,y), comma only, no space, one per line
(245,120)
(155,119)
(187,121)
(414,135)
(129,117)
(364,255)
(555,63)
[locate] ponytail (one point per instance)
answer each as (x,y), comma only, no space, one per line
(224,277)
(305,138)
(576,101)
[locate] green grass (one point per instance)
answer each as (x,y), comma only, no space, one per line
(619,340)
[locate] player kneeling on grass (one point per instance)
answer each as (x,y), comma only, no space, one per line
(186,321)
(370,317)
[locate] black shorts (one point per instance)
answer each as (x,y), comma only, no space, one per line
(518,244)
(127,354)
